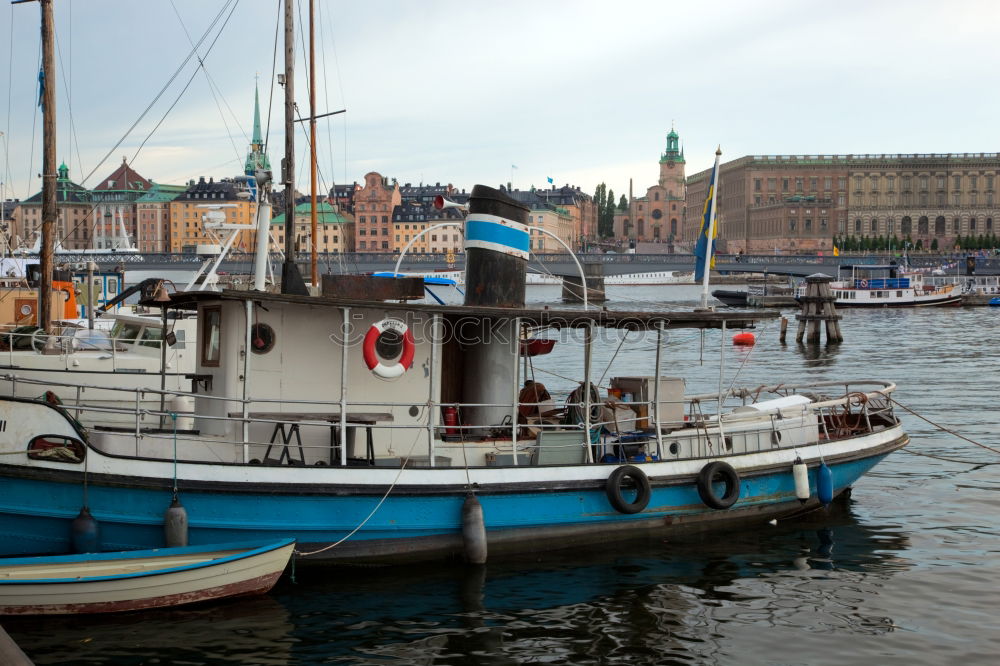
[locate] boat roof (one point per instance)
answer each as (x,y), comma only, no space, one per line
(544,316)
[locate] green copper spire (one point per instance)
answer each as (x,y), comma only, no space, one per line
(256,157)
(257,139)
(674,152)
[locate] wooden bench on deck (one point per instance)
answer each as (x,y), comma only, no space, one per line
(286,426)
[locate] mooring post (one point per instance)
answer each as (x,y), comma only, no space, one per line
(818,306)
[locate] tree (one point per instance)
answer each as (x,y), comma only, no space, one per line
(623,203)
(934,245)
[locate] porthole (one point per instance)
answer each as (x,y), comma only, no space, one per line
(56,448)
(261,338)
(675,448)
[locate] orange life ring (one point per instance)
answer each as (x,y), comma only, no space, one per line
(372,359)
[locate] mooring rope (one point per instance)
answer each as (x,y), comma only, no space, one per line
(954,460)
(938,425)
(373,511)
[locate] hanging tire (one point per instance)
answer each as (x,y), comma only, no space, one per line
(638,480)
(718,471)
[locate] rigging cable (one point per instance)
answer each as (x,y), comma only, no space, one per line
(212,87)
(157,126)
(169,82)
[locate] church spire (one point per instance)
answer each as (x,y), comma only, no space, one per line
(256,157)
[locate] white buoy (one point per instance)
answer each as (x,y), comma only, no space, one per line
(800,472)
(175,525)
(473,530)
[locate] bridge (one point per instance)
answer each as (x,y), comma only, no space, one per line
(556,263)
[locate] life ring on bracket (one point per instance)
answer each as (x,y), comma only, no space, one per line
(372,360)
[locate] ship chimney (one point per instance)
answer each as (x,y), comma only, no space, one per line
(496,249)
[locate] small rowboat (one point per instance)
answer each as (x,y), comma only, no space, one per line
(139,579)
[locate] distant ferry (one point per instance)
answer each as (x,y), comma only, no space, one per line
(887,286)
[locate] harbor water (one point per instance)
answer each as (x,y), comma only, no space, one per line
(903,572)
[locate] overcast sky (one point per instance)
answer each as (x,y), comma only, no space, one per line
(459,91)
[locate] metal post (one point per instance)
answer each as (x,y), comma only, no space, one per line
(431,402)
(345,332)
(656,390)
(516,383)
(722,370)
(247,341)
(90,294)
(587,344)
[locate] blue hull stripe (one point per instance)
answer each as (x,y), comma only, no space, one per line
(35,515)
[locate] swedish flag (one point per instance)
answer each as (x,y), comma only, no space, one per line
(702,250)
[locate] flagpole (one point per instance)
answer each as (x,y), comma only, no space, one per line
(711,229)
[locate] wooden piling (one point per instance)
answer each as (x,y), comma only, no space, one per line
(784,329)
(818,307)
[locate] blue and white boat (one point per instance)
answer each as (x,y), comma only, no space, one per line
(381,431)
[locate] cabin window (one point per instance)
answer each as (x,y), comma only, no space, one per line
(211,342)
(56,448)
(127,333)
(152,337)
(261,338)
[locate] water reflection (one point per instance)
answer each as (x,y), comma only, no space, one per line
(818,355)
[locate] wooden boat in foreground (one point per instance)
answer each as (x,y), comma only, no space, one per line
(141,579)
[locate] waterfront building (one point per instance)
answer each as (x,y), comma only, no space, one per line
(153,217)
(342,197)
(114,215)
(374,203)
(72,227)
(657,217)
(548,210)
(799,203)
(335,232)
(417,214)
(187,210)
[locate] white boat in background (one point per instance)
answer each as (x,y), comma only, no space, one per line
(103,368)
(653,278)
(141,579)
(888,286)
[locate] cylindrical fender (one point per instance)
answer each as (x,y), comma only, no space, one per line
(718,471)
(638,479)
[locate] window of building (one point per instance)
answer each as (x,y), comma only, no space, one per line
(756,186)
(857,183)
(857,226)
(827,183)
(972,198)
(972,224)
(362,245)
(989,199)
(989,224)
(923,198)
(822,224)
(385,245)
(890,226)
(922,225)
(772,184)
(808,224)
(798,184)
(956,225)
(989,182)
(841,199)
(784,184)
(956,182)
(923,182)
(791,225)
(874,181)
(813,183)
(756,199)
(940,182)
(874,226)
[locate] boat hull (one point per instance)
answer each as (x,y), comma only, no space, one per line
(132,581)
(417,518)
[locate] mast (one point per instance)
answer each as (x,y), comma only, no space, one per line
(49,210)
(291,279)
(312,145)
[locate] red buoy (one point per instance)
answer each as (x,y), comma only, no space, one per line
(744,339)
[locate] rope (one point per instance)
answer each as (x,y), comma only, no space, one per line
(954,460)
(938,425)
(378,506)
